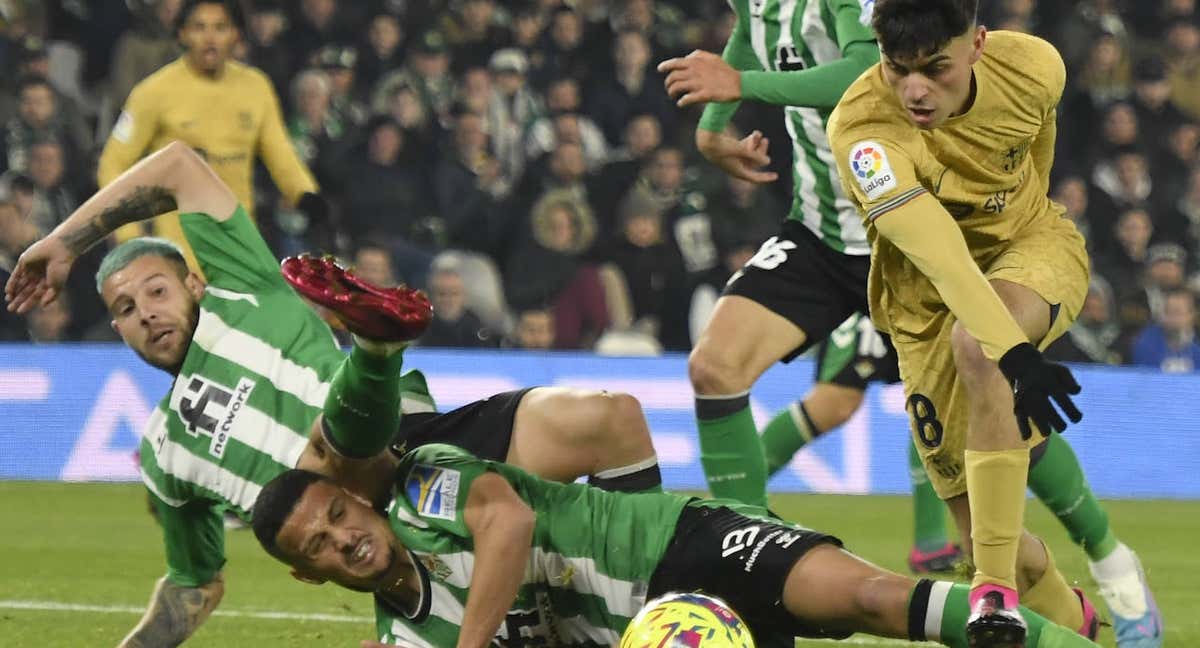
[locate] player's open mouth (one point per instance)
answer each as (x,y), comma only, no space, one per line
(921,115)
(362,553)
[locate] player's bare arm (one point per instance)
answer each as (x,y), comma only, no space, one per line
(174,614)
(501,524)
(175,177)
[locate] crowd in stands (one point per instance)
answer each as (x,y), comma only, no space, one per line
(522,162)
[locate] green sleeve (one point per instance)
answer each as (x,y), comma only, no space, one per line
(232,253)
(850,23)
(739,54)
(817,87)
(437,479)
(194,536)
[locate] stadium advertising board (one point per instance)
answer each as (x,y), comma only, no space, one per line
(74,413)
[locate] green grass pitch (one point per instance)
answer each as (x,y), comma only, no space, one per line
(77,562)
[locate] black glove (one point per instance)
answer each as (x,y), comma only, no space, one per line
(1035,380)
(314,207)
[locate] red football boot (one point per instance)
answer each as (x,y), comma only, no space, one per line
(398,314)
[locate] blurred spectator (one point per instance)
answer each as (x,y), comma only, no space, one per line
(563,53)
(454,324)
(630,89)
(662,24)
(338,61)
(403,104)
(1095,334)
(1071,191)
(563,99)
(466,184)
(1151,100)
(743,211)
(653,272)
(1092,21)
(315,130)
(1166,265)
(382,51)
(50,323)
(224,109)
(1182,38)
(534,329)
(141,50)
(1169,344)
(564,169)
(315,25)
(527,32)
(1182,219)
(1178,154)
(1120,181)
(661,181)
(642,136)
(55,197)
(1125,259)
(1102,79)
(38,118)
(427,71)
(547,267)
(474,31)
(512,108)
(267,49)
(383,198)
(16,234)
(373,262)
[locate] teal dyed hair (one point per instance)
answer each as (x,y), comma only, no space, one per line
(133,249)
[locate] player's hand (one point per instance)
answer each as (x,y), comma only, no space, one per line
(701,77)
(40,274)
(742,158)
(1036,382)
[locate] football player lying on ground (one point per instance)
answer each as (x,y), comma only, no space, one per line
(470,551)
(255,368)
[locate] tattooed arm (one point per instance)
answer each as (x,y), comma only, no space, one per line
(174,614)
(175,177)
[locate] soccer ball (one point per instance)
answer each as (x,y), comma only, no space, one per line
(687,620)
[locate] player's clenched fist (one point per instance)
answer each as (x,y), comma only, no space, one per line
(1035,382)
(701,77)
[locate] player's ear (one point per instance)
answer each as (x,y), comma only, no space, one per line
(195,285)
(980,39)
(311,580)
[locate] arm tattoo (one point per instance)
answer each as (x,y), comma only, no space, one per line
(174,615)
(140,204)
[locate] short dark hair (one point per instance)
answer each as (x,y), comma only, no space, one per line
(914,28)
(233,9)
(275,504)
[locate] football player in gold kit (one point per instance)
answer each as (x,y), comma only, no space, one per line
(946,149)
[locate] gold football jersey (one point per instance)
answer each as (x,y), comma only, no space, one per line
(989,167)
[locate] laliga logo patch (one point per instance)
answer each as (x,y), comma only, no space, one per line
(871,169)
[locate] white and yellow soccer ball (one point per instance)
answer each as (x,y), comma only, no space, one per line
(687,620)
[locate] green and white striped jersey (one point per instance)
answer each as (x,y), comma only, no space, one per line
(784,35)
(253,381)
(592,557)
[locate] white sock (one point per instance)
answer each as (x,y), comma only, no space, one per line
(1121,562)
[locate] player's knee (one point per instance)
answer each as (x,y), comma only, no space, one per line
(711,372)
(626,424)
(969,358)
